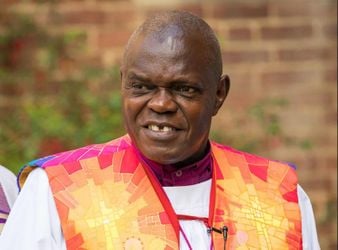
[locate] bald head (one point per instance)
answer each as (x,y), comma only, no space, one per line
(172,25)
(172,87)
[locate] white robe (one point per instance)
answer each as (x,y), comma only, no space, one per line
(8,184)
(8,194)
(34,224)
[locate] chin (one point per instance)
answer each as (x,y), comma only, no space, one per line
(162,157)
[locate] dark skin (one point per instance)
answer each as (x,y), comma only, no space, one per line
(170,94)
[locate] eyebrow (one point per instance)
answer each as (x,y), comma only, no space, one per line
(179,80)
(133,75)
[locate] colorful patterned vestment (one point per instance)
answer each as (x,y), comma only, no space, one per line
(107,199)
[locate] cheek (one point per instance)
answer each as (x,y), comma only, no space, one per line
(128,114)
(199,117)
(130,107)
(202,125)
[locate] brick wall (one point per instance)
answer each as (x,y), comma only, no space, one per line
(271,49)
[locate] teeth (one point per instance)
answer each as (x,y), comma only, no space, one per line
(154,128)
(166,129)
(160,129)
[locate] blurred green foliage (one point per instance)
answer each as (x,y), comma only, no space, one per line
(53,95)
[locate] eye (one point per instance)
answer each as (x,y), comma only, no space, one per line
(185,90)
(139,86)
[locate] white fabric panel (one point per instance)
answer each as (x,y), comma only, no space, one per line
(33,223)
(192,200)
(309,231)
(8,183)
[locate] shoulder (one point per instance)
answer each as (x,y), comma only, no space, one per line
(279,175)
(251,159)
(263,168)
(75,155)
(82,153)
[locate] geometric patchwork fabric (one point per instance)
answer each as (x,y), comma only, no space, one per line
(257,200)
(107,199)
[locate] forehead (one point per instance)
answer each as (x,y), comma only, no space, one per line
(167,51)
(169,41)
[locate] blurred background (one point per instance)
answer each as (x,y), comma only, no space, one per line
(59,81)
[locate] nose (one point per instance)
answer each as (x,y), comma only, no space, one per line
(162,101)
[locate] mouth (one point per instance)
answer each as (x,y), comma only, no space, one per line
(161,132)
(160,128)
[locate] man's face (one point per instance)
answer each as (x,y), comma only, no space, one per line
(169,97)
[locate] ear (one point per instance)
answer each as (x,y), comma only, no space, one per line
(121,73)
(223,87)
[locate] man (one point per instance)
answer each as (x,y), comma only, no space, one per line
(8,193)
(164,185)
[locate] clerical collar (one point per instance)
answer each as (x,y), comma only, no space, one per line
(169,175)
